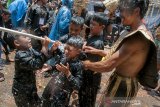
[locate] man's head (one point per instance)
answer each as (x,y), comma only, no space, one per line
(97,23)
(131,10)
(22,42)
(76,25)
(5,14)
(73,47)
(99,6)
(54,4)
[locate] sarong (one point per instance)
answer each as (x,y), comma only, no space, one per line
(120,91)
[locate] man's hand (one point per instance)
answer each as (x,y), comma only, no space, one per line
(85,63)
(89,49)
(45,44)
(55,46)
(45,68)
(44,27)
(46,41)
(64,69)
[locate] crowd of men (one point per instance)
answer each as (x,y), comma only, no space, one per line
(77,58)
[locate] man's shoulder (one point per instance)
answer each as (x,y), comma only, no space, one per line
(95,41)
(76,65)
(22,54)
(143,32)
(136,42)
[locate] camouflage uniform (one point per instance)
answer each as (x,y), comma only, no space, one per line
(59,88)
(24,85)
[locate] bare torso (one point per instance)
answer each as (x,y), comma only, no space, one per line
(132,66)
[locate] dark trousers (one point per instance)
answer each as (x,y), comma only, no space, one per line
(89,89)
(25,96)
(7,41)
(4,44)
(54,96)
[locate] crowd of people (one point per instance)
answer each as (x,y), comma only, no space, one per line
(76,60)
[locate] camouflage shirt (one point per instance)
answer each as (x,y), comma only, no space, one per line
(25,64)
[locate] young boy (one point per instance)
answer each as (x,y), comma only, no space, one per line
(75,28)
(91,80)
(26,61)
(60,87)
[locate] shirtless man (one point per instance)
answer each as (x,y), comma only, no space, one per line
(130,56)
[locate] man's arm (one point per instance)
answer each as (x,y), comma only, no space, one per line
(129,47)
(91,50)
(31,62)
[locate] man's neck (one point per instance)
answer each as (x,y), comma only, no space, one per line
(98,34)
(136,25)
(22,49)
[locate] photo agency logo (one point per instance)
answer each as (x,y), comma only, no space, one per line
(122,101)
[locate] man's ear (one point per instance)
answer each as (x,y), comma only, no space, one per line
(16,43)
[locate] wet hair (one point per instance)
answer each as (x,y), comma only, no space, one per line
(77,20)
(98,5)
(132,4)
(75,41)
(100,18)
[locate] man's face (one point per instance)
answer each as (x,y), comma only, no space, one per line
(71,52)
(127,17)
(74,29)
(53,5)
(95,28)
(24,42)
(5,17)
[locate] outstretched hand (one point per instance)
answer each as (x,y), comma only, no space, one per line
(85,64)
(55,46)
(45,68)
(46,41)
(45,44)
(89,49)
(64,69)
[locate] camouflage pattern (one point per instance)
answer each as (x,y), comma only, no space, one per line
(59,89)
(24,84)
